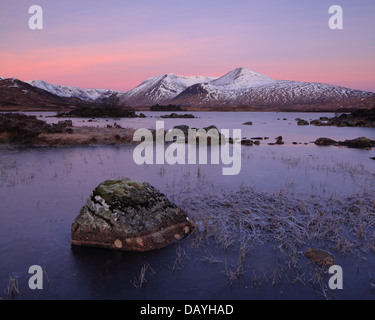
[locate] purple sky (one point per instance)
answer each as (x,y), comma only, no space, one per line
(117,44)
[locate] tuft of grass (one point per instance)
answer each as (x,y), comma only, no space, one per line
(141,281)
(244,220)
(181,255)
(12,288)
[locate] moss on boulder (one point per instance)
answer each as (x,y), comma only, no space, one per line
(129,215)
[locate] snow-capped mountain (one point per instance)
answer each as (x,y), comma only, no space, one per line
(239,79)
(88,95)
(160,89)
(244,87)
(240,87)
(18,95)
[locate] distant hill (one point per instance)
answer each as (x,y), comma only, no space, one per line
(16,95)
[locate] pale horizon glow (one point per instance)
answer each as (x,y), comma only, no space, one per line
(119,44)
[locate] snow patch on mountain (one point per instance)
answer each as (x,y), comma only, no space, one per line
(161,88)
(241,78)
(239,87)
(271,93)
(168,85)
(90,95)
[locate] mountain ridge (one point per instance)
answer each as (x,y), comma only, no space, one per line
(240,87)
(89,95)
(17,95)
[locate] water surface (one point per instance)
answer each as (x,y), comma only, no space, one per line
(43,189)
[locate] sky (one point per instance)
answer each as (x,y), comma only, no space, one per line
(117,44)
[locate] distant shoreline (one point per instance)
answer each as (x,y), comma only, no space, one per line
(338,107)
(344,110)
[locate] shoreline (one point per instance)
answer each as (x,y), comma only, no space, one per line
(80,136)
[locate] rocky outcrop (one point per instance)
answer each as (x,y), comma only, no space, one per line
(185,129)
(360,143)
(247,142)
(325,142)
(279,141)
(302,122)
(18,128)
(178,116)
(129,215)
(358,118)
(317,122)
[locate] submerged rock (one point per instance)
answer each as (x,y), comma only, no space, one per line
(320,257)
(129,215)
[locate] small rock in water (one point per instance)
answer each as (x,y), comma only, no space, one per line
(302,122)
(320,257)
(279,140)
(325,142)
(129,215)
(247,142)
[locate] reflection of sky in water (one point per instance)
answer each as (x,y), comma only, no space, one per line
(43,189)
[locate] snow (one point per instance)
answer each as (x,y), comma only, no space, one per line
(15,84)
(68,91)
(241,78)
(166,86)
(240,86)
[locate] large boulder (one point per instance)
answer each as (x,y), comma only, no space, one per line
(129,215)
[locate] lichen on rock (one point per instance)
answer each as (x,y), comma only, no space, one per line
(129,215)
